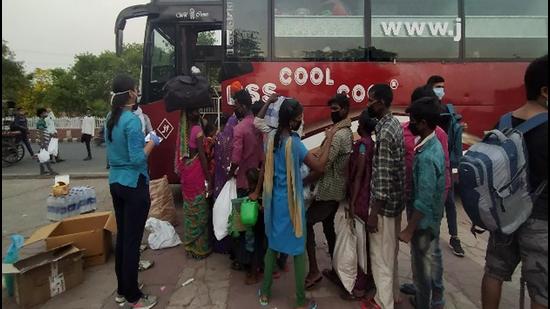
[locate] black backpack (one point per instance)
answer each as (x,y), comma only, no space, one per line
(187,92)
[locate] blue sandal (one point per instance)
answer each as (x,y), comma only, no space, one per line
(311,305)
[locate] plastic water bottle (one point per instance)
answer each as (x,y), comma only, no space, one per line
(64,207)
(50,208)
(73,206)
(91,199)
(84,207)
(56,209)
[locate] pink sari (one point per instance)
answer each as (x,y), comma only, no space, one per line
(190,170)
(196,209)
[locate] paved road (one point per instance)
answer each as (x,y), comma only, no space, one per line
(72,153)
(215,285)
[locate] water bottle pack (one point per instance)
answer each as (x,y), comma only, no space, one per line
(80,200)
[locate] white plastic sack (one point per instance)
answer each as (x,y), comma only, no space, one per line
(53,146)
(222,209)
(43,156)
(361,233)
(162,234)
(345,251)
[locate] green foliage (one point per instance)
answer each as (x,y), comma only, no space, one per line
(87,84)
(206,38)
(14,80)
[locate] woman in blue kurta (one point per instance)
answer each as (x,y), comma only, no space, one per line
(283,198)
(127,153)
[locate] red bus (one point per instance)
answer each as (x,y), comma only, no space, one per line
(312,49)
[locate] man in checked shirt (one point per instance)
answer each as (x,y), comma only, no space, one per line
(387,194)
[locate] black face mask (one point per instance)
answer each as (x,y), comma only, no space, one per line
(414,129)
(372,112)
(336,117)
(296,126)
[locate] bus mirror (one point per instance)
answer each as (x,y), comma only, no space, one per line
(119,41)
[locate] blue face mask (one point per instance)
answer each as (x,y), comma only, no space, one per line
(439,92)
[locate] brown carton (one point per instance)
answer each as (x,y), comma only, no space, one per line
(45,275)
(90,232)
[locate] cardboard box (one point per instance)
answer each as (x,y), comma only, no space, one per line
(46,275)
(90,232)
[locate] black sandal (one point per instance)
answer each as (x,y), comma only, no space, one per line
(310,284)
(333,277)
(236,266)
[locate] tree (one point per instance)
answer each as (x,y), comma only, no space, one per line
(87,84)
(206,38)
(14,80)
(40,82)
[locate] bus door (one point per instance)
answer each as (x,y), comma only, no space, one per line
(202,48)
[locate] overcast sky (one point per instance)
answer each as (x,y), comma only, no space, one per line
(49,33)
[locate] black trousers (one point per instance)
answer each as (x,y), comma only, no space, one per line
(321,211)
(131,211)
(87,138)
(25,140)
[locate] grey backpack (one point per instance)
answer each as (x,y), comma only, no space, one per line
(494,178)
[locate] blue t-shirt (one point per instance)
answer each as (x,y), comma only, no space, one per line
(125,153)
(282,237)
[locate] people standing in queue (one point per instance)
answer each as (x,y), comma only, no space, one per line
(195,182)
(427,197)
(128,179)
(387,191)
(528,244)
(331,189)
(283,200)
(438,84)
(222,159)
(360,173)
(438,289)
(247,153)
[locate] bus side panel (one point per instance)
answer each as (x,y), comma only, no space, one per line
(481,91)
(161,160)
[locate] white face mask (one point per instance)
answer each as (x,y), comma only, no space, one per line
(440,92)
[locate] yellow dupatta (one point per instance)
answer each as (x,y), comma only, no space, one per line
(294,202)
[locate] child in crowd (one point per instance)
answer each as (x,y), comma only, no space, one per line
(255,238)
(424,217)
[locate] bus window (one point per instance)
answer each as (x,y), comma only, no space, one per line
(506,29)
(247,34)
(420,29)
(163,61)
(319,29)
(209,38)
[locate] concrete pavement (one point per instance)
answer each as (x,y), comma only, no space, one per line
(72,153)
(216,285)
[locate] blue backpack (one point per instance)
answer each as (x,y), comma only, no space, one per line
(454,131)
(494,178)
